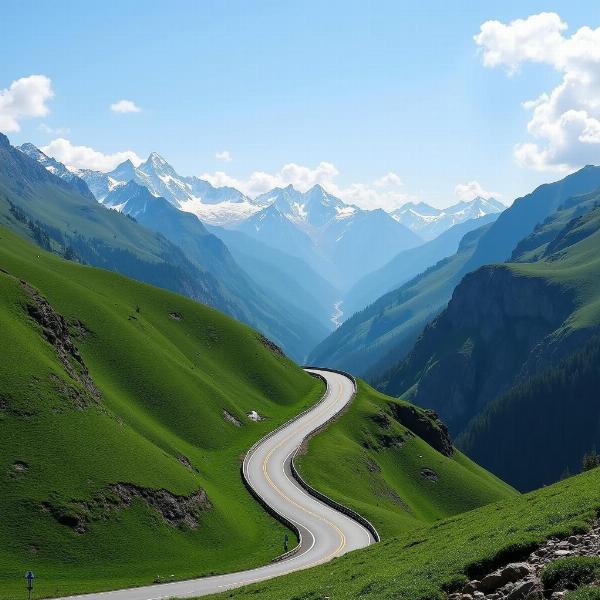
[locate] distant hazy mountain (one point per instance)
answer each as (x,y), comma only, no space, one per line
(217,206)
(429,222)
(340,241)
(282,275)
(408,264)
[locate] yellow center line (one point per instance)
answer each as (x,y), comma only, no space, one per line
(287,498)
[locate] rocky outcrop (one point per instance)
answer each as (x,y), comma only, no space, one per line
(426,424)
(522,581)
(56,331)
(175,510)
(477,347)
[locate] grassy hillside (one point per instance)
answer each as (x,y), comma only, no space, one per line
(118,461)
(425,562)
(373,460)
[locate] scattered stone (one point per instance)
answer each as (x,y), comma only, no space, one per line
(274,348)
(254,416)
(56,331)
(521,581)
(231,419)
(175,316)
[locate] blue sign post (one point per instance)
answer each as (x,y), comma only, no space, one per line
(29,576)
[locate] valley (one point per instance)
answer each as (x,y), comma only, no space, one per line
(299,301)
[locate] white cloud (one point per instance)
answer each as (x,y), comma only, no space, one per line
(379,194)
(225,156)
(25,97)
(125,106)
(84,157)
(471,189)
(565,121)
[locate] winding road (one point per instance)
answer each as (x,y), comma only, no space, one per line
(324,532)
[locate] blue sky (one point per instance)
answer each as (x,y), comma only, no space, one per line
(370,87)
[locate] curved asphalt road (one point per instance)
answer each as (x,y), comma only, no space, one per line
(325,532)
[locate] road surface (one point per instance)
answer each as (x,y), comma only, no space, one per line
(325,533)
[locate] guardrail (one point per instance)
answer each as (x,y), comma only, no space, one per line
(309,489)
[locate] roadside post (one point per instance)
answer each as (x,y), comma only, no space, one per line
(29,576)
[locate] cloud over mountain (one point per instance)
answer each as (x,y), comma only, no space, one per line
(84,157)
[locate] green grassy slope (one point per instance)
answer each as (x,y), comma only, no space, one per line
(370,461)
(157,423)
(424,562)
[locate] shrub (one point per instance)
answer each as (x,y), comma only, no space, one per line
(571,572)
(591,592)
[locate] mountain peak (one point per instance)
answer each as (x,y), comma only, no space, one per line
(4,140)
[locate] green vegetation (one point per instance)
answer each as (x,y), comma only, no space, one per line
(143,406)
(371,461)
(531,446)
(571,572)
(587,592)
(425,562)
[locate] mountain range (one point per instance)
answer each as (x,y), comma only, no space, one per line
(340,242)
(429,222)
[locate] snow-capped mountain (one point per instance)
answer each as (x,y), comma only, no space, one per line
(56,168)
(342,241)
(429,222)
(217,206)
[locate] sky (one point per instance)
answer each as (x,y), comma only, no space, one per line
(381,102)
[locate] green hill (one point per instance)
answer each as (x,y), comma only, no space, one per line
(122,423)
(395,465)
(427,562)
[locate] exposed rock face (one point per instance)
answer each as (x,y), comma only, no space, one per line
(56,331)
(426,424)
(176,510)
(521,581)
(477,347)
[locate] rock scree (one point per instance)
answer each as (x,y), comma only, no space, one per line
(521,580)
